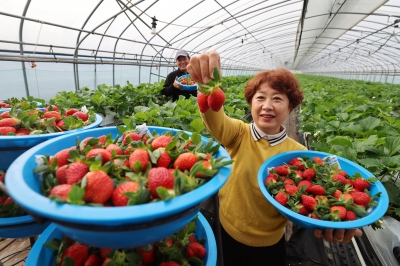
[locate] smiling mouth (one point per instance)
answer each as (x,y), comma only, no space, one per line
(267,116)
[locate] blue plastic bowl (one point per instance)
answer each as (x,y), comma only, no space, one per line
(26,142)
(310,223)
(113,227)
(40,255)
(187,87)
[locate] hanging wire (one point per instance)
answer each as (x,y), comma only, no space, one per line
(33,65)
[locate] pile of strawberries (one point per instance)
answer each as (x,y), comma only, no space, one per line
(187,81)
(8,208)
(314,188)
(28,120)
(180,249)
(135,169)
(4,104)
(211,96)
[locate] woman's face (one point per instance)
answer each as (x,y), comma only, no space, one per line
(269,109)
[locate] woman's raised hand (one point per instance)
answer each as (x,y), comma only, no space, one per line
(201,66)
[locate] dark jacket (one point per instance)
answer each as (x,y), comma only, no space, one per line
(170,90)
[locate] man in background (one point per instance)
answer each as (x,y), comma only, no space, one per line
(171,86)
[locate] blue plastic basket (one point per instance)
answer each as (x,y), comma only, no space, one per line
(114,227)
(186,87)
(348,166)
(40,255)
(26,142)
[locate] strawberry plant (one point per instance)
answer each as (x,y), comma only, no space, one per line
(359,121)
(135,169)
(320,190)
(8,208)
(182,248)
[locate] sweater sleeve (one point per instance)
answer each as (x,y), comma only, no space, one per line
(168,88)
(224,129)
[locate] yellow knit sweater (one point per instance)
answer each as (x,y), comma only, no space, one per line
(244,211)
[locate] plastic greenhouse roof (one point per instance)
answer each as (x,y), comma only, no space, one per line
(308,36)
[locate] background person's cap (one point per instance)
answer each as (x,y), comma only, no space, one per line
(181,53)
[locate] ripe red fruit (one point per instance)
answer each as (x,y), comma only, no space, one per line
(118,198)
(105,252)
(160,177)
(281,198)
(202,102)
(113,147)
(62,157)
(147,253)
(206,165)
(361,198)
(195,249)
(185,161)
(289,181)
(340,212)
(53,107)
(10,122)
(337,194)
(161,142)
(61,191)
(291,190)
(317,190)
(77,252)
(51,114)
(305,183)
(105,154)
(282,170)
(270,179)
(133,135)
(99,187)
(169,263)
(308,202)
(216,99)
(5,130)
(338,177)
(75,172)
(81,115)
(318,160)
(70,112)
(350,216)
(61,175)
(93,260)
(309,174)
(361,184)
(300,209)
(141,156)
(22,131)
(164,160)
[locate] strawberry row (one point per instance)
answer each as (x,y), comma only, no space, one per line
(31,121)
(314,188)
(134,169)
(181,248)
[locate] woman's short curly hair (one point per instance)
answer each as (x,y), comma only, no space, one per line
(281,80)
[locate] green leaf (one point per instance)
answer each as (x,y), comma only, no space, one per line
(76,194)
(393,145)
(369,123)
(197,125)
(393,192)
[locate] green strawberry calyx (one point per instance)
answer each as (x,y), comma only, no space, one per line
(212,84)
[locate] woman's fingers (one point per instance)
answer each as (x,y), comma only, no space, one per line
(201,66)
(204,67)
(194,69)
(214,61)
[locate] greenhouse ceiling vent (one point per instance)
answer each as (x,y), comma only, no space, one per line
(320,26)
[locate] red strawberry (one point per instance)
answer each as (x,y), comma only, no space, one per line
(61,175)
(195,249)
(2,176)
(147,253)
(350,216)
(305,183)
(118,198)
(113,147)
(282,170)
(317,190)
(309,174)
(270,179)
(340,212)
(105,252)
(77,252)
(185,161)
(318,160)
(10,122)
(141,156)
(61,125)
(22,132)
(361,184)
(300,209)
(93,260)
(361,198)
(338,177)
(314,216)
(337,194)
(192,238)
(5,115)
(70,112)
(53,108)
(216,99)
(99,187)
(289,182)
(6,130)
(308,202)
(291,190)
(51,114)
(133,135)
(161,142)
(293,161)
(160,177)
(164,160)
(75,172)
(281,198)
(206,165)
(62,157)
(81,115)
(299,165)
(106,155)
(202,102)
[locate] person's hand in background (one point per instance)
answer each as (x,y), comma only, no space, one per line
(176,84)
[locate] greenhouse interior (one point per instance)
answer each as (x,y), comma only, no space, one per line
(207,132)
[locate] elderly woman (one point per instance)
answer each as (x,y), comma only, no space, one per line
(252,229)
